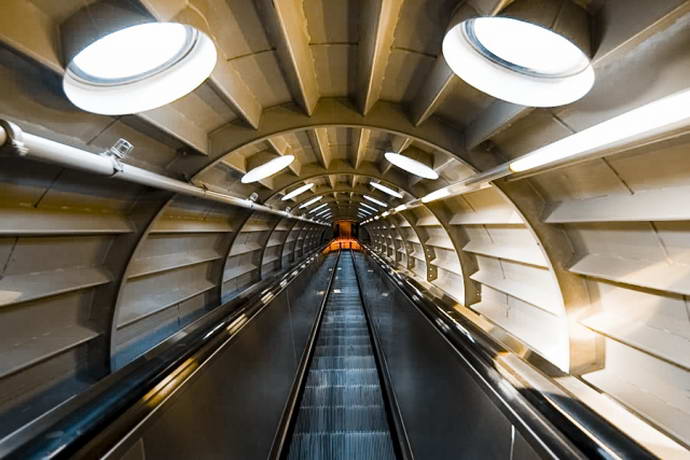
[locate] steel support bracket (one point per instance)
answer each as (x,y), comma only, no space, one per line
(14,144)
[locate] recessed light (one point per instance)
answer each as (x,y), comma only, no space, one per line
(385,189)
(375,201)
(411,166)
(518,61)
(139,68)
(298,191)
(268,169)
(400,208)
(310,202)
(368,207)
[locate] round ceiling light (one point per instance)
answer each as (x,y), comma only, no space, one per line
(297,191)
(139,68)
(385,189)
(268,169)
(518,61)
(411,166)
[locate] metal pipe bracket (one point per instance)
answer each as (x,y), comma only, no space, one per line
(14,143)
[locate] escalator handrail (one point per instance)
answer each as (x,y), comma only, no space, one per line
(100,416)
(558,424)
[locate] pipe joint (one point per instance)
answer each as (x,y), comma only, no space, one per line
(118,167)
(13,139)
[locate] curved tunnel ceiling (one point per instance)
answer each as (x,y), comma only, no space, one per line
(585,265)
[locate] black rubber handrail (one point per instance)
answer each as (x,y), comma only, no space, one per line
(96,419)
(559,427)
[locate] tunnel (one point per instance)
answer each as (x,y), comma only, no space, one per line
(344,229)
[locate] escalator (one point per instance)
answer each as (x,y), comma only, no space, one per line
(340,358)
(342,413)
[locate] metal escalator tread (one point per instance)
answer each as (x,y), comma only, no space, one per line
(342,413)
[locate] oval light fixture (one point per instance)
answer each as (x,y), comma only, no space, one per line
(134,68)
(436,195)
(412,166)
(298,191)
(317,208)
(518,61)
(310,202)
(368,207)
(386,189)
(268,169)
(375,201)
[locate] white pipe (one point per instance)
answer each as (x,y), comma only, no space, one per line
(659,120)
(41,149)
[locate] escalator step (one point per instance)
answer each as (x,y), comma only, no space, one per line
(342,395)
(319,377)
(331,331)
(360,446)
(317,419)
(342,362)
(343,350)
(344,340)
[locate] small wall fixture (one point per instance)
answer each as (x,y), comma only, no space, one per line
(521,58)
(119,60)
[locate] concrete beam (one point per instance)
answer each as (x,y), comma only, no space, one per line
(286,25)
(321,146)
(377,23)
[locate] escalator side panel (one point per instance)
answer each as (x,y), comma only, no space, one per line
(445,413)
(232,408)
